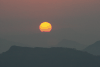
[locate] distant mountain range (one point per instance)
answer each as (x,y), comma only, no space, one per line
(53,37)
(47,57)
(6,44)
(94,48)
(70,44)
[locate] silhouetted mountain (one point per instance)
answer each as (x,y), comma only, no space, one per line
(47,57)
(5,45)
(94,48)
(70,44)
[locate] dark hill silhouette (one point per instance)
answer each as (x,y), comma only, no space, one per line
(94,48)
(47,57)
(70,44)
(6,44)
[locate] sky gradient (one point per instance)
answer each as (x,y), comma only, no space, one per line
(25,16)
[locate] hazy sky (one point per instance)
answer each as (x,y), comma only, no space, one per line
(24,16)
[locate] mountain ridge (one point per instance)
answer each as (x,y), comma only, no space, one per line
(18,56)
(70,44)
(94,48)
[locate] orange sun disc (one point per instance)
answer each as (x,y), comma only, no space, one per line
(45,27)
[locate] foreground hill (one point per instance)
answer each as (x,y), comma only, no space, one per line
(70,44)
(47,57)
(94,48)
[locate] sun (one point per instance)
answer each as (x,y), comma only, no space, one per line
(45,27)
